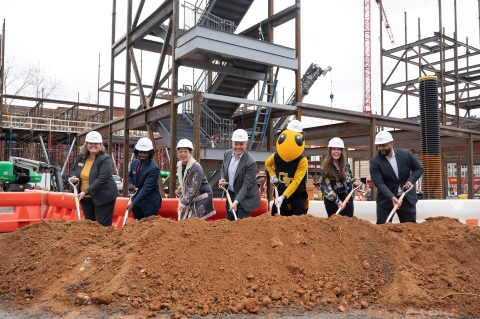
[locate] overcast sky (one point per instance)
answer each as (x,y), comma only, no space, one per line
(66,38)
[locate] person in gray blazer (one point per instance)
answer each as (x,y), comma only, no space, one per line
(93,171)
(239,170)
(392,170)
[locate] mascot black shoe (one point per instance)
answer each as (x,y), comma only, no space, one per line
(288,170)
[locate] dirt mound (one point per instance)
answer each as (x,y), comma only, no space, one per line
(257,265)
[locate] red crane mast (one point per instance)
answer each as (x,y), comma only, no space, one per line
(367,61)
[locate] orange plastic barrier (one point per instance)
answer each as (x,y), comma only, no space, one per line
(25,210)
(33,206)
(220,208)
(169,210)
(119,212)
(62,206)
(471,222)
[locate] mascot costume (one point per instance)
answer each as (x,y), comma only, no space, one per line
(288,170)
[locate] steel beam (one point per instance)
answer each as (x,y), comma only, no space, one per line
(216,42)
(231,99)
(276,20)
(223,69)
(160,15)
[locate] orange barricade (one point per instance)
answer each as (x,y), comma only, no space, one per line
(119,212)
(169,210)
(220,208)
(471,222)
(62,206)
(18,210)
(25,208)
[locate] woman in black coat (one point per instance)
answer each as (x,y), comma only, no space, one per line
(93,171)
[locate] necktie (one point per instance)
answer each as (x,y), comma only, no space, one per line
(139,169)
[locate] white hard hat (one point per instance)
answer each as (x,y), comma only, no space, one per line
(336,142)
(240,136)
(383,137)
(295,126)
(93,137)
(185,143)
(144,144)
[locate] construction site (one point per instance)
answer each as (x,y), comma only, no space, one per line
(268,266)
(208,111)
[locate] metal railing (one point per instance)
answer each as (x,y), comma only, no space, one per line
(216,129)
(202,84)
(47,124)
(56,125)
(194,15)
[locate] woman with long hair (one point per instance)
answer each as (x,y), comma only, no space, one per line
(337,180)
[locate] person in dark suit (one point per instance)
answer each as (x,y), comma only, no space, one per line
(143,175)
(93,171)
(239,170)
(392,170)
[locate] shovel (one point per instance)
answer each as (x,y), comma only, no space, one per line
(130,195)
(75,194)
(390,216)
(348,198)
(229,199)
(276,197)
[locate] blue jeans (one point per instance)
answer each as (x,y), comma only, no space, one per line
(241,213)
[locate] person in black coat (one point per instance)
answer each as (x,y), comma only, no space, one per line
(143,175)
(93,171)
(394,170)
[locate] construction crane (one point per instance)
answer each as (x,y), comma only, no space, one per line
(308,79)
(385,21)
(367,57)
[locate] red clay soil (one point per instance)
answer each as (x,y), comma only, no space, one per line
(256,265)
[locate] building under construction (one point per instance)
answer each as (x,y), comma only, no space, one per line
(236,88)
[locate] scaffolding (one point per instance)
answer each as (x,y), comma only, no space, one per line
(450,60)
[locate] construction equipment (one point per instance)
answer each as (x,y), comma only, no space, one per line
(17,173)
(311,75)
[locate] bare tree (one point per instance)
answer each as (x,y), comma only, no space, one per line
(16,82)
(32,81)
(40,85)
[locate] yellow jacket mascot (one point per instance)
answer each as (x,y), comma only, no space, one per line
(288,170)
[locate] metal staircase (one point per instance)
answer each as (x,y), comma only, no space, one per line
(184,129)
(262,115)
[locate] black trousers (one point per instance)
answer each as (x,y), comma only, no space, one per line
(407,213)
(296,201)
(102,214)
(332,207)
(139,214)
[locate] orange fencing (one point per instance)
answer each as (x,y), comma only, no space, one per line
(18,210)
(25,208)
(61,206)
